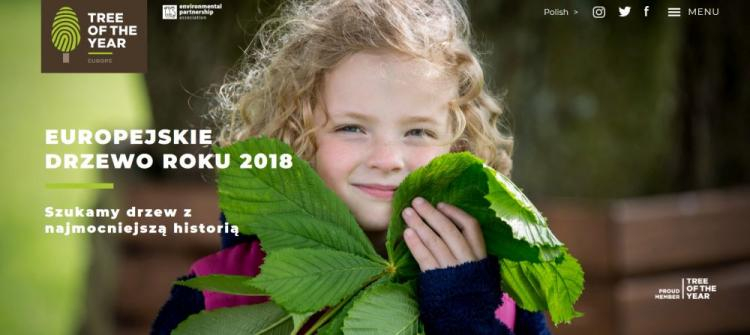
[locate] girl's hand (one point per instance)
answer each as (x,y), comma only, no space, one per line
(442,237)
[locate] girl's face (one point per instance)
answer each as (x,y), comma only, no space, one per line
(387,115)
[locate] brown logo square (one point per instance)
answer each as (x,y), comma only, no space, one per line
(94,36)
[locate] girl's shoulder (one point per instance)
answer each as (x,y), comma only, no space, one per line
(243,259)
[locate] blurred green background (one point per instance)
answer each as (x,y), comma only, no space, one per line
(43,277)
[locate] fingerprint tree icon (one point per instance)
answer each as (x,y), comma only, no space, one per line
(66,32)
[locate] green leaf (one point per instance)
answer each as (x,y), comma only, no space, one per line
(292,230)
(385,309)
(238,285)
(306,280)
(460,179)
(541,275)
(259,319)
(518,212)
(286,208)
(334,326)
(554,286)
(317,255)
(431,182)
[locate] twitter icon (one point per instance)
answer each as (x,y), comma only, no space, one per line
(624,11)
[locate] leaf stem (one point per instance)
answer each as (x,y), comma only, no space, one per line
(327,315)
(331,312)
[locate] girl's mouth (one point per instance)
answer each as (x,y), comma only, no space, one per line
(384,192)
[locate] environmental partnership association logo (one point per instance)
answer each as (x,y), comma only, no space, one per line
(94,36)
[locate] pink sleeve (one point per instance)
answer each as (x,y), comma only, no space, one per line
(507,312)
(242,259)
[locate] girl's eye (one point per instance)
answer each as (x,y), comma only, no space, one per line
(419,132)
(350,128)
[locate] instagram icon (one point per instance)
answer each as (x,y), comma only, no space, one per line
(598,12)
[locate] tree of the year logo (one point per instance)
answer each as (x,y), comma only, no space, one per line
(66,32)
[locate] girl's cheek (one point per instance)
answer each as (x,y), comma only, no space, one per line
(337,149)
(336,155)
(420,156)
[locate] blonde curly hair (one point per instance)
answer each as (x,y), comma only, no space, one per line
(277,90)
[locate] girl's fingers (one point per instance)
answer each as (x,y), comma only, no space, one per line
(445,229)
(421,254)
(432,241)
(469,227)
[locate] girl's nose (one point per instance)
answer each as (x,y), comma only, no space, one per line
(386,156)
